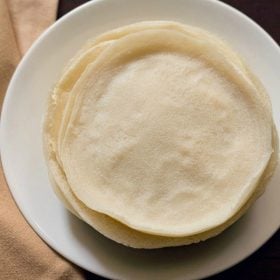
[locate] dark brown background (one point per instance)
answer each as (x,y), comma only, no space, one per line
(265,263)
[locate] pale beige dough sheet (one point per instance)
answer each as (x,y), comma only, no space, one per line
(55,132)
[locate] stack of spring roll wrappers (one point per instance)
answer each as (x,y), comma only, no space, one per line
(157,134)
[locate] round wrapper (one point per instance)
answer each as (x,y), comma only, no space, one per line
(151,124)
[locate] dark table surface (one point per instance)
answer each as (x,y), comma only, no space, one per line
(265,263)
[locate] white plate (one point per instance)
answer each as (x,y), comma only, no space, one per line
(25,167)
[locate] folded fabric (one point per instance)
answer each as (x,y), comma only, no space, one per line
(23,254)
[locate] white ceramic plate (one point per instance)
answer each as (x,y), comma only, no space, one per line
(25,168)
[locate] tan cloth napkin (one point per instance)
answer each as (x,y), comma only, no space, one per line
(23,255)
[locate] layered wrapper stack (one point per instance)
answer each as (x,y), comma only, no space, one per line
(158,134)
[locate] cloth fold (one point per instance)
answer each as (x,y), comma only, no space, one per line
(23,255)
(29,18)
